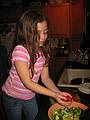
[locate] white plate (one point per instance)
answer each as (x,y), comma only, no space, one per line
(85,88)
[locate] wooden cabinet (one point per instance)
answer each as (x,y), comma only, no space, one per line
(65,19)
(77,18)
(58,16)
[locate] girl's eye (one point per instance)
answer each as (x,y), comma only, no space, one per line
(44,32)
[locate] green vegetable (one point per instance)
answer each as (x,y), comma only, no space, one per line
(56,114)
(72,113)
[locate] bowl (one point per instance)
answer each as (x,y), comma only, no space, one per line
(56,106)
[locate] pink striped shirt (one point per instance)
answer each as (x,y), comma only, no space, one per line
(13,85)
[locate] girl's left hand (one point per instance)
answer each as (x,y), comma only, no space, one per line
(64,98)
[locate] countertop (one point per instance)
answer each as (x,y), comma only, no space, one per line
(75,71)
(85,99)
(76,65)
(72,70)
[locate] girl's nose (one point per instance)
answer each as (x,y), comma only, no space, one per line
(42,36)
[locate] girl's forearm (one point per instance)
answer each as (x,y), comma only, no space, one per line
(50,85)
(40,89)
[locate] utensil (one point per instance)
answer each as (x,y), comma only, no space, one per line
(84,87)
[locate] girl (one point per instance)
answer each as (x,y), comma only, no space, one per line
(29,61)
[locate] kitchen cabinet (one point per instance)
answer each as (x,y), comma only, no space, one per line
(65,19)
(77,19)
(58,16)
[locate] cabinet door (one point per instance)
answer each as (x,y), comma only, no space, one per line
(58,16)
(66,19)
(77,18)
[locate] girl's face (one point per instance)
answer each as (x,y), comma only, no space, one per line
(42,29)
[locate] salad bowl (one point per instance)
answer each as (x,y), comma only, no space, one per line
(58,106)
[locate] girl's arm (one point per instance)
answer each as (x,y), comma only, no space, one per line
(46,80)
(51,90)
(50,85)
(24,74)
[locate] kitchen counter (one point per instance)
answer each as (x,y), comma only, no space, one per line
(76,65)
(47,102)
(70,74)
(43,112)
(78,73)
(72,70)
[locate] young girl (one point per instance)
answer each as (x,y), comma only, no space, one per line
(29,61)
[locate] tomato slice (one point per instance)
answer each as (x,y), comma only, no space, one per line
(67,99)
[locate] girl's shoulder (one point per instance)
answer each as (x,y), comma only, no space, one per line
(20,48)
(20,53)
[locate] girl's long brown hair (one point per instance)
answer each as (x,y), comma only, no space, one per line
(26,35)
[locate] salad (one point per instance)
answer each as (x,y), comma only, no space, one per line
(66,113)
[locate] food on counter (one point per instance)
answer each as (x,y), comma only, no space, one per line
(67,99)
(66,113)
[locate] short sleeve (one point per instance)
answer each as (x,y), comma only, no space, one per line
(20,53)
